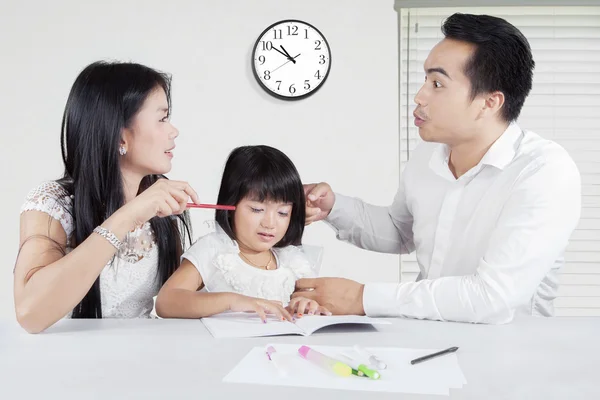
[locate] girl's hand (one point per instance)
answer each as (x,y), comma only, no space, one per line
(241,303)
(302,305)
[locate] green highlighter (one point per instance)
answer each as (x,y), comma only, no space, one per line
(361,369)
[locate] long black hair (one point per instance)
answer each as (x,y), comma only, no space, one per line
(262,173)
(104,99)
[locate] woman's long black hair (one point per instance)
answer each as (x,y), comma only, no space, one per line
(103,101)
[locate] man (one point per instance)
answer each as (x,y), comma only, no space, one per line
(487,206)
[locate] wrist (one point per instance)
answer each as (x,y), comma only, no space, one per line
(119,224)
(359,300)
(230,299)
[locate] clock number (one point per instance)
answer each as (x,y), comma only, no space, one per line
(267,75)
(292,89)
(261,59)
(318,45)
(322,59)
(292,30)
(306,84)
(277,33)
(318,74)
(305,33)
(266,45)
(278,84)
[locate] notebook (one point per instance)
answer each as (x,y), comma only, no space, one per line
(238,325)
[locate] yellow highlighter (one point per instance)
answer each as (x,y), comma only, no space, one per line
(320,359)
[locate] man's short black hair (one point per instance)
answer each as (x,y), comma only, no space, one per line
(502,59)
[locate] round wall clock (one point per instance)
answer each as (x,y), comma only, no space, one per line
(291,59)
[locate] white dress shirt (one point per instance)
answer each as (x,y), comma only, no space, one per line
(488,244)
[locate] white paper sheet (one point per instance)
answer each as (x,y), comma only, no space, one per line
(435,376)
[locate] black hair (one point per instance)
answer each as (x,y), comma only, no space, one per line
(262,173)
(502,60)
(104,99)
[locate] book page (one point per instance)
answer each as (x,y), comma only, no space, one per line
(237,325)
(312,323)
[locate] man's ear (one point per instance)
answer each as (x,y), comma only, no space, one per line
(492,104)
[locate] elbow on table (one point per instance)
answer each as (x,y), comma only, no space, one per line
(29,320)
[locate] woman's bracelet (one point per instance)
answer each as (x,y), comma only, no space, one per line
(108,235)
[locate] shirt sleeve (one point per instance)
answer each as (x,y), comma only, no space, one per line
(203,252)
(376,228)
(51,198)
(532,231)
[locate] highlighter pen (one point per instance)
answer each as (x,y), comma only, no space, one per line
(323,361)
(273,356)
(371,358)
(361,368)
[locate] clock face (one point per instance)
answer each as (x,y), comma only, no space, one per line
(291,59)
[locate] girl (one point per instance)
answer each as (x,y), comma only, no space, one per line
(94,244)
(253,260)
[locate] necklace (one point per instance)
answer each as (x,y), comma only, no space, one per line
(256,265)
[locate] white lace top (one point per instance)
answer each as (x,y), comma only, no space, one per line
(217,259)
(126,288)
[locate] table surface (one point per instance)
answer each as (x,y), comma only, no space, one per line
(531,358)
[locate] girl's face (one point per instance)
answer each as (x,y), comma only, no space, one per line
(151,138)
(258,226)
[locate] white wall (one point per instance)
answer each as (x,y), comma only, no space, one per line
(346,134)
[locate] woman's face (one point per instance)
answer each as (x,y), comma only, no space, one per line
(150,139)
(260,225)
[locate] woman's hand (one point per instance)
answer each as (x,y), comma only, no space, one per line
(165,197)
(302,305)
(241,303)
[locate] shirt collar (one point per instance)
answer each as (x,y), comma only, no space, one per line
(499,155)
(502,152)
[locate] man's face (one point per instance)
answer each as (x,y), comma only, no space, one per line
(445,112)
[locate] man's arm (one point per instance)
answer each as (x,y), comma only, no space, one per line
(376,228)
(532,230)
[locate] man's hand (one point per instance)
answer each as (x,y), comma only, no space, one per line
(338,295)
(319,201)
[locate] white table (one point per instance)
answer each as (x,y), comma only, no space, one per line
(532,358)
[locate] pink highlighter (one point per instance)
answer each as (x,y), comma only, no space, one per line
(328,363)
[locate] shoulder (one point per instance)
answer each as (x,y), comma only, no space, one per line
(297,260)
(53,199)
(206,247)
(542,157)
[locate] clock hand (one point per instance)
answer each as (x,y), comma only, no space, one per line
(291,59)
(288,54)
(282,53)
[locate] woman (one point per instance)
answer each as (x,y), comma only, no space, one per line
(102,240)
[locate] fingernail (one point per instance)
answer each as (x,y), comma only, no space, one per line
(310,313)
(293,318)
(329,313)
(299,315)
(264,321)
(282,318)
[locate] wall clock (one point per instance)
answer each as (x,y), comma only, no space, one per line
(291,59)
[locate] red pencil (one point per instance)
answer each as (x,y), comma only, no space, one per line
(215,206)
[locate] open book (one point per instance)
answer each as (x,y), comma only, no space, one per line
(238,325)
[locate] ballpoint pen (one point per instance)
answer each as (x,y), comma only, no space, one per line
(430,356)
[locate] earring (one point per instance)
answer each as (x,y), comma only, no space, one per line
(122,150)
